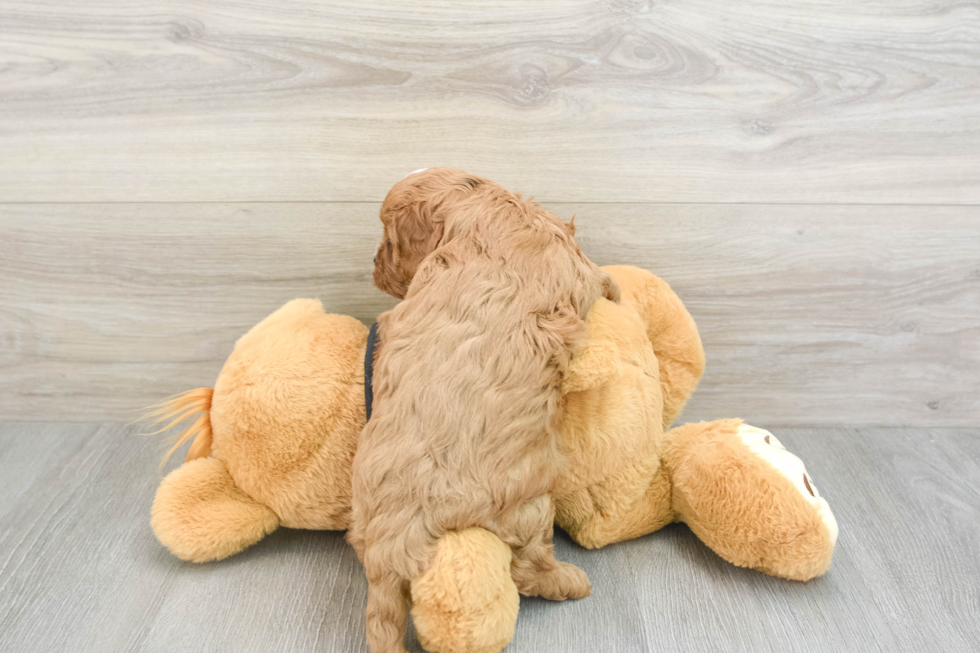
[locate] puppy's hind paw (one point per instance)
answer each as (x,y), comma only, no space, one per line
(566,581)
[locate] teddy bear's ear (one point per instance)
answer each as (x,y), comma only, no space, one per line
(594,365)
(199,513)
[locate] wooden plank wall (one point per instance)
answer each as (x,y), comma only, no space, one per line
(807,176)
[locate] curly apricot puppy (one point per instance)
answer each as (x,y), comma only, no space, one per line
(467,386)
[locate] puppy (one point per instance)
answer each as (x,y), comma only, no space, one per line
(467,386)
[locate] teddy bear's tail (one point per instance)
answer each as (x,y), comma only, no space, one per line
(466,602)
(199,513)
(178,408)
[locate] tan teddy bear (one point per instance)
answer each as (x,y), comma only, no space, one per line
(275,439)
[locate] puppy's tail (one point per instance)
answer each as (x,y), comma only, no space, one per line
(176,410)
(466,601)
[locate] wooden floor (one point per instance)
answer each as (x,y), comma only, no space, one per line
(805,174)
(81,571)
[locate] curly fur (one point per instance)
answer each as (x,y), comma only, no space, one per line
(467,386)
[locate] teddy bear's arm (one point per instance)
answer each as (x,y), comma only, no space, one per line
(671,331)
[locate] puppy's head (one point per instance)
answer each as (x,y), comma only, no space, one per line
(414,217)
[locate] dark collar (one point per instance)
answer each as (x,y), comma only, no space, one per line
(372,345)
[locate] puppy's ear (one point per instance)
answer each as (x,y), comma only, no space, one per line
(570,227)
(415,231)
(610,288)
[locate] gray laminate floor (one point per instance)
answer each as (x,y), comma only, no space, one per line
(80,569)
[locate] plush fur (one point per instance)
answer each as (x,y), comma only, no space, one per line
(283,422)
(467,386)
(778,528)
(466,600)
(201,514)
(627,475)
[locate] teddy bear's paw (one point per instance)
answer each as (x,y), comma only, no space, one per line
(765,445)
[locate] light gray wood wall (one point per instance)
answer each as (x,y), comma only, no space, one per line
(806,175)
(816,314)
(623,100)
